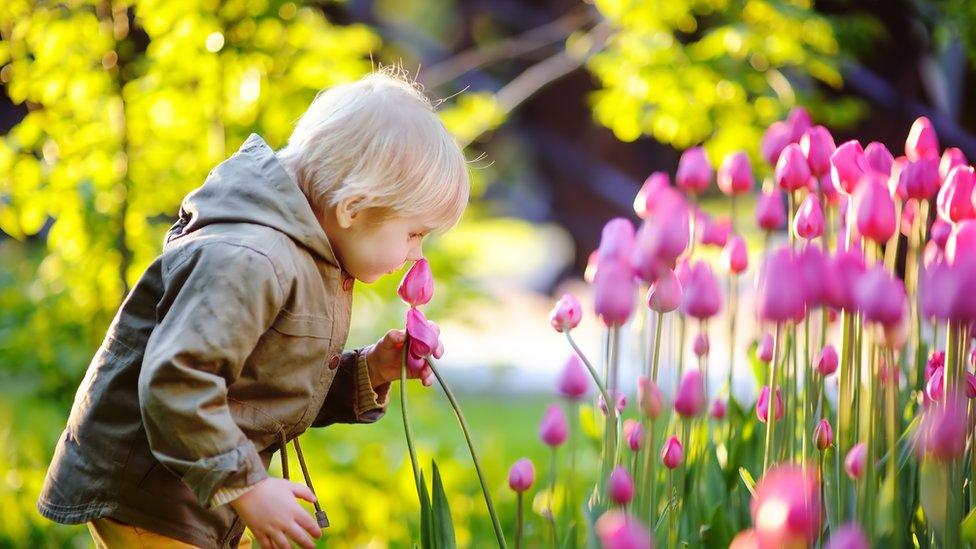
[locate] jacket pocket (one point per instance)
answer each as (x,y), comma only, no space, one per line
(303,325)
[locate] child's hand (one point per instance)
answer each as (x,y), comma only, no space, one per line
(384,358)
(271,512)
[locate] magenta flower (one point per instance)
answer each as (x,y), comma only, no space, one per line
(664,295)
(765,349)
(935,387)
(944,430)
(880,297)
(646,200)
(940,231)
(848,536)
(823,435)
(813,275)
(553,430)
(770,212)
(922,141)
(694,171)
(713,232)
(875,209)
(774,140)
(618,396)
(566,314)
(786,508)
(649,398)
(672,454)
(970,385)
(701,296)
(827,360)
(424,340)
(620,487)
(799,122)
(817,145)
(718,410)
(573,382)
(792,170)
(634,434)
(843,272)
(779,300)
(919,179)
(847,166)
(809,221)
(613,293)
(762,404)
(700,344)
(690,399)
(521,475)
(951,158)
(935,361)
(735,174)
(955,197)
(735,257)
(417,286)
(616,242)
(879,158)
(616,530)
(855,460)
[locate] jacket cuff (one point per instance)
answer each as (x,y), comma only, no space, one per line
(227,495)
(371,403)
(237,468)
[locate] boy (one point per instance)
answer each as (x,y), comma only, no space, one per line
(231,342)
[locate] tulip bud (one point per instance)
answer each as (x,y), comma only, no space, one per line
(649,398)
(786,508)
(955,197)
(664,295)
(762,404)
(951,158)
(970,385)
(799,122)
(735,257)
(879,158)
(672,454)
(694,171)
(619,397)
(779,300)
(809,221)
(718,410)
(646,199)
(700,345)
(765,349)
(792,170)
(521,475)
(735,174)
(848,536)
(922,141)
(553,430)
(417,286)
(616,530)
(944,429)
(573,382)
(940,232)
(827,361)
(817,145)
(847,166)
(620,487)
(770,212)
(935,387)
(566,314)
(689,401)
(874,208)
(854,462)
(701,296)
(823,435)
(613,293)
(634,434)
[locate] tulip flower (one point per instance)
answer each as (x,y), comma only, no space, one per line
(646,200)
(922,141)
(855,460)
(634,434)
(701,296)
(935,387)
(799,122)
(553,430)
(664,295)
(574,382)
(823,435)
(765,349)
(690,399)
(649,398)
(613,293)
(962,241)
(672,454)
(735,257)
(663,237)
(848,536)
(844,270)
(786,508)
(718,410)
(878,158)
(817,145)
(770,212)
(424,340)
(616,530)
(774,140)
(700,344)
(620,487)
(567,313)
(935,361)
(827,361)
(951,158)
(813,275)
(779,300)
(762,404)
(809,221)
(417,286)
(735,174)
(955,197)
(792,170)
(745,539)
(875,209)
(616,241)
(847,166)
(694,171)
(944,430)
(880,296)
(940,231)
(970,385)
(522,475)
(619,397)
(713,232)
(919,179)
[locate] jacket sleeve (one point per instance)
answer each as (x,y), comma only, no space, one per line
(351,398)
(217,303)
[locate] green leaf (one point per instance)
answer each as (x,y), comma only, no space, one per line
(443,527)
(969,528)
(426,528)
(748,480)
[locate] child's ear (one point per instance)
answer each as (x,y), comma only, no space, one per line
(347,209)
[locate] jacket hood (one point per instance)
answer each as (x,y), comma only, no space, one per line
(252,186)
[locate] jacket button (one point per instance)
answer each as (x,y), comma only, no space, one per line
(347,283)
(334,363)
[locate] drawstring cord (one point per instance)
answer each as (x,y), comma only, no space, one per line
(320,516)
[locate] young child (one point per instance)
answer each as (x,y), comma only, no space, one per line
(231,343)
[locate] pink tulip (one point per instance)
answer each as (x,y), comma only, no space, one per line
(591,264)
(955,197)
(646,200)
(619,397)
(573,382)
(672,454)
(762,404)
(616,241)
(521,475)
(745,539)
(940,231)
(817,145)
(848,536)
(935,361)
(879,158)
(970,385)
(922,141)
(843,272)
(567,313)
(553,430)
(813,275)
(649,398)
(880,297)
(735,174)
(718,410)
(770,212)
(647,263)
(616,530)
(701,296)
(792,170)
(700,344)
(714,232)
(799,122)
(690,399)
(809,221)
(951,158)
(765,349)
(847,166)
(935,387)
(919,179)
(831,195)
(613,293)
(854,462)
(694,171)
(875,209)
(417,286)
(774,140)
(424,339)
(779,300)
(944,430)
(634,434)
(786,508)
(663,237)
(620,487)
(664,295)
(823,435)
(735,257)
(962,241)
(827,361)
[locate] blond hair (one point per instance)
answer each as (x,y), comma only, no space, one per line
(379,140)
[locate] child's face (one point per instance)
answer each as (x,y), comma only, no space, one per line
(369,246)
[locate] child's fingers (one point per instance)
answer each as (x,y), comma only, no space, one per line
(395,338)
(302,491)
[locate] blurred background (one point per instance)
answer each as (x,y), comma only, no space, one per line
(110,112)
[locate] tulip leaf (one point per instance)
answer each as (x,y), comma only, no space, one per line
(969,528)
(426,528)
(886,505)
(748,480)
(443,527)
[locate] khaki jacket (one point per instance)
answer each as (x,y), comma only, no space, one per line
(230,342)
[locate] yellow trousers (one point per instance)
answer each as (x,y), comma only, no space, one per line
(109,533)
